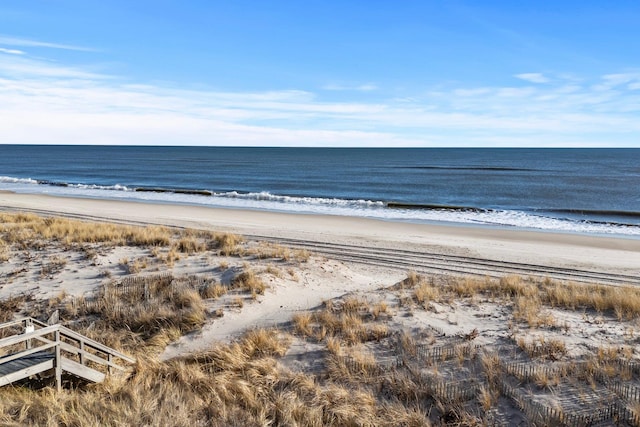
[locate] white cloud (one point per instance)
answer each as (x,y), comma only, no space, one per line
(16,41)
(532,77)
(367,87)
(45,102)
(515,92)
(472,92)
(11,51)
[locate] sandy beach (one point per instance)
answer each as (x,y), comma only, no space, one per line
(605,254)
(464,292)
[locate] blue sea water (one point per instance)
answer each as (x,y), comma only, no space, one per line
(574,190)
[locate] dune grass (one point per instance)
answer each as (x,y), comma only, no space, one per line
(238,384)
(528,296)
(30,230)
(242,383)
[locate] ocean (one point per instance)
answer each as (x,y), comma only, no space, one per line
(594,191)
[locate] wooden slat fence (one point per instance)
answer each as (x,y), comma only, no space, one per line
(139,285)
(535,411)
(448,391)
(628,415)
(525,371)
(624,390)
(142,287)
(546,415)
(432,353)
(444,390)
(355,366)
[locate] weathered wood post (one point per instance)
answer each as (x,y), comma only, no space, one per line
(82,361)
(58,362)
(28,328)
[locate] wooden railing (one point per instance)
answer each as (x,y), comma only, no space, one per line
(62,348)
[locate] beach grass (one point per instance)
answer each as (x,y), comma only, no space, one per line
(378,364)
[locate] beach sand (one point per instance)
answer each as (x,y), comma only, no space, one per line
(600,253)
(363,259)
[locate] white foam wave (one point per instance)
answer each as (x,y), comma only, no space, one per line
(12,180)
(311,201)
(116,187)
(329,206)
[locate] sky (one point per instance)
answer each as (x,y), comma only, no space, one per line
(406,73)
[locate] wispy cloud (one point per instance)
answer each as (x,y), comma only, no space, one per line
(367,87)
(21,68)
(17,41)
(47,102)
(11,51)
(532,77)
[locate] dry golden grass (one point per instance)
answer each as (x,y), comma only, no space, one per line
(529,295)
(5,253)
(425,293)
(213,290)
(238,384)
(242,384)
(190,245)
(412,279)
(54,265)
(32,231)
(274,271)
(541,347)
(249,281)
(135,266)
(529,310)
(267,250)
(227,244)
(354,305)
(543,380)
(302,323)
(349,322)
(380,309)
(9,306)
(361,367)
(127,318)
(487,398)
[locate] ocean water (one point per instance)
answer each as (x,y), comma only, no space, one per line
(573,190)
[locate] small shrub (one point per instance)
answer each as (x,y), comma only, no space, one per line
(302,323)
(190,245)
(248,281)
(425,293)
(227,244)
(213,291)
(55,265)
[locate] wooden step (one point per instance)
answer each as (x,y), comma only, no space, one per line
(25,367)
(81,371)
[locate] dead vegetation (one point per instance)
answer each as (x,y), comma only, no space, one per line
(373,370)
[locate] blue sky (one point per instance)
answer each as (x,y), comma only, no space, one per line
(321,73)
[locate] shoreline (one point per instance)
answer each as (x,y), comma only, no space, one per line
(613,254)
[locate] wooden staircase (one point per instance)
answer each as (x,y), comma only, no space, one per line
(31,348)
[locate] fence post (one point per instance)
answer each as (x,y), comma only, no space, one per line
(28,328)
(58,363)
(82,353)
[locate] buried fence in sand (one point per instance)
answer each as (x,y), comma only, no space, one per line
(614,401)
(530,372)
(547,415)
